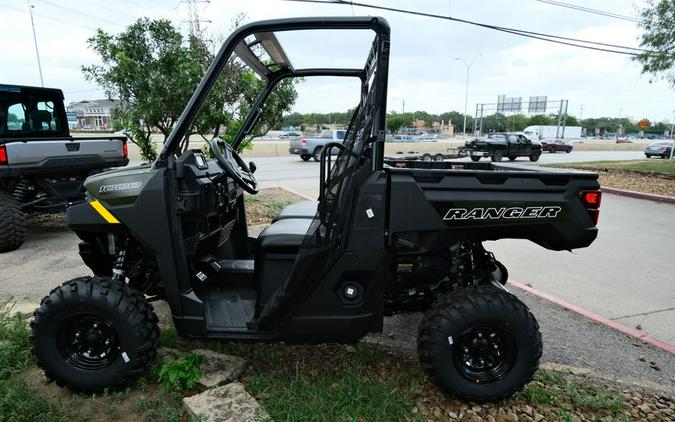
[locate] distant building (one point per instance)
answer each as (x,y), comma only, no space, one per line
(93,115)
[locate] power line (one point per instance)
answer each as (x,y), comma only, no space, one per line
(573,42)
(590,10)
(79,12)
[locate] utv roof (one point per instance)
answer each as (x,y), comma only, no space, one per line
(24,88)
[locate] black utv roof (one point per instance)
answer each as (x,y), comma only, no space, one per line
(18,89)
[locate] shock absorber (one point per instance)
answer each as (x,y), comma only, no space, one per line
(20,192)
(118,271)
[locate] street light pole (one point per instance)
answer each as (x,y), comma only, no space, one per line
(466,92)
(37,53)
(672,138)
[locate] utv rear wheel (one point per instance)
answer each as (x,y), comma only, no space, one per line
(497,156)
(92,333)
(305,157)
(12,231)
(480,344)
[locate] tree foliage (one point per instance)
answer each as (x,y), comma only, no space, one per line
(153,70)
(658,36)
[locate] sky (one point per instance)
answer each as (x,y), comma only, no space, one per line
(424,72)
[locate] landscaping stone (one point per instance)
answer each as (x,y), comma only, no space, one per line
(227,403)
(218,368)
(165,354)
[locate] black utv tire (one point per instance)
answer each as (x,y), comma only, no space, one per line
(12,230)
(535,156)
(92,333)
(475,158)
(305,157)
(469,327)
(317,154)
(497,156)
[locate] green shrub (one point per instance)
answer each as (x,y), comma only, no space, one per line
(181,374)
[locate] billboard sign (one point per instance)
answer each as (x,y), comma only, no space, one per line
(537,104)
(509,104)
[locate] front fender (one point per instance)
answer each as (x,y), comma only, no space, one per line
(89,217)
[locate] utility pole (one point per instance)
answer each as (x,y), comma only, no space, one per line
(403,106)
(193,19)
(37,52)
(466,93)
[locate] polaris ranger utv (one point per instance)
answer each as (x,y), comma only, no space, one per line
(381,240)
(42,167)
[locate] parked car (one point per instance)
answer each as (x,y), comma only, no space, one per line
(555,145)
(510,145)
(290,135)
(623,140)
(308,147)
(42,167)
(659,149)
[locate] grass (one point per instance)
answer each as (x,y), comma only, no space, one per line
(263,210)
(564,391)
(325,382)
(642,166)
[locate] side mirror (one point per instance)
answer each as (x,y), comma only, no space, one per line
(252,166)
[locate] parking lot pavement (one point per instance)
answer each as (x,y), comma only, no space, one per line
(569,340)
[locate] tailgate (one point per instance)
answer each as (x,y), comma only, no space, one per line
(49,155)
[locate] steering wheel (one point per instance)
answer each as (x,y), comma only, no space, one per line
(233,165)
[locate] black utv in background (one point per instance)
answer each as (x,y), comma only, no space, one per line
(380,240)
(508,145)
(42,167)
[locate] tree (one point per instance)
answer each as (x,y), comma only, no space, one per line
(658,25)
(539,120)
(396,121)
(153,70)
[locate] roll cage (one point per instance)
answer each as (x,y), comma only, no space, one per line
(279,67)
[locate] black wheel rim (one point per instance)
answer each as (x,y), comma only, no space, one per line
(88,342)
(484,354)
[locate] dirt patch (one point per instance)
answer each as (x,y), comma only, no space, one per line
(47,223)
(638,183)
(263,207)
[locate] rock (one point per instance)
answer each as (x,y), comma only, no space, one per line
(453,415)
(638,327)
(218,368)
(228,403)
(527,409)
(644,408)
(655,367)
(490,418)
(643,358)
(538,417)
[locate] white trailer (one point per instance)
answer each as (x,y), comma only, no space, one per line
(551,132)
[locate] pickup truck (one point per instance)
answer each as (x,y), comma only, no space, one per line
(311,147)
(510,145)
(42,167)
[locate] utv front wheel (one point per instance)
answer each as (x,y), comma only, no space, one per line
(12,231)
(92,333)
(480,344)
